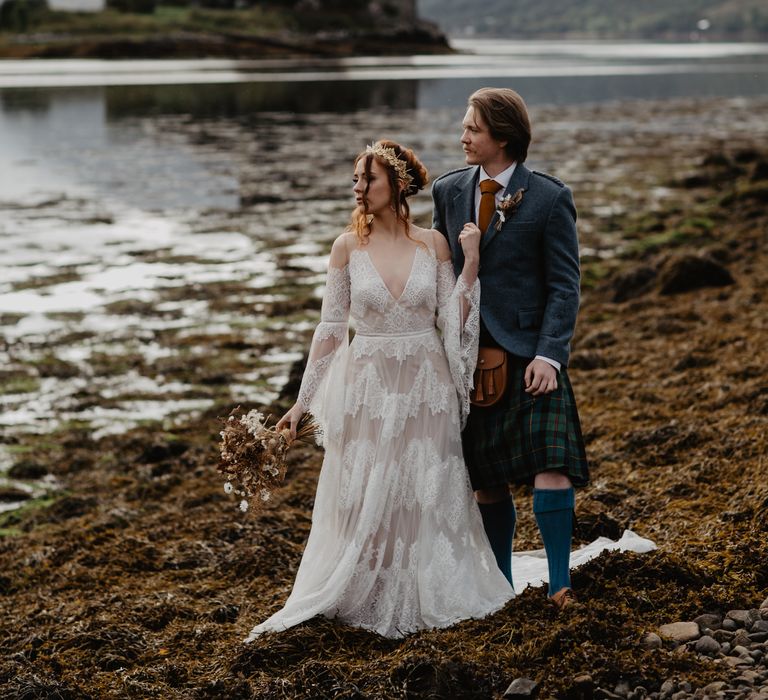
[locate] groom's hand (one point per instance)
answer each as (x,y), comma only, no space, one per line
(540,378)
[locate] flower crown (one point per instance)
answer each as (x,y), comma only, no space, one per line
(389,155)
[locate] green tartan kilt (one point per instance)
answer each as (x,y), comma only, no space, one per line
(523,435)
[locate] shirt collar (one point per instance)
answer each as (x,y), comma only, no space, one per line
(502,178)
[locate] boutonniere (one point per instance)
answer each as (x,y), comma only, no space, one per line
(507,207)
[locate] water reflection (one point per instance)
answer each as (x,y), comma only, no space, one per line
(243,99)
(560,90)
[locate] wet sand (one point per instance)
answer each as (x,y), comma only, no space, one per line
(133,574)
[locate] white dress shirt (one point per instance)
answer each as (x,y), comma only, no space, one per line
(503,179)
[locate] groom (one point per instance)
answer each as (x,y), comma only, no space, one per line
(529,277)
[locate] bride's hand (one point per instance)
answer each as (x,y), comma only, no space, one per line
(469,238)
(291,420)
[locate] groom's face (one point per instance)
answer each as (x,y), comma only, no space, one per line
(480,148)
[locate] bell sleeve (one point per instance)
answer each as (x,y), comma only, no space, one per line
(330,338)
(458,318)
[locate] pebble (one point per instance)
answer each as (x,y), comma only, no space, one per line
(521,689)
(680,631)
(741,638)
(749,677)
(764,605)
(760,626)
(709,621)
(715,687)
(708,646)
(667,688)
(583,680)
(735,661)
(743,618)
(652,641)
(730,625)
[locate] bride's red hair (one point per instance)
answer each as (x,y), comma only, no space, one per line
(361,221)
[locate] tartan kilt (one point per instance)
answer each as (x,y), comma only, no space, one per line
(523,435)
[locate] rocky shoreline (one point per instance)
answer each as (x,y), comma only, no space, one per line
(111,38)
(138,576)
(191,45)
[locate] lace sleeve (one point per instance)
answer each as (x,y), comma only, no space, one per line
(330,335)
(458,309)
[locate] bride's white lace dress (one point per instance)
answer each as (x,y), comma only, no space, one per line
(397,543)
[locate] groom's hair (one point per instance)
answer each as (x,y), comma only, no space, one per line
(506,115)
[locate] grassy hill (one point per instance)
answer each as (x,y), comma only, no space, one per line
(650,19)
(214,28)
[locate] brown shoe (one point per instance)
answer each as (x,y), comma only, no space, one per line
(564,598)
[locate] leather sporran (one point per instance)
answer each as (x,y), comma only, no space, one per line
(490,378)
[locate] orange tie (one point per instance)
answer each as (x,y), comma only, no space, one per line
(488,190)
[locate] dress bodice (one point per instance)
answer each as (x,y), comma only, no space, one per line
(373,308)
(432,300)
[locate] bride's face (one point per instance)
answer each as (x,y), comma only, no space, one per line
(379,194)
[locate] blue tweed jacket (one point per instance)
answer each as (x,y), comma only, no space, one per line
(529,268)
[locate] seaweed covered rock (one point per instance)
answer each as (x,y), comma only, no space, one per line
(685,273)
(633,283)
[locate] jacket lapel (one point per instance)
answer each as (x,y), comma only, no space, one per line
(518,181)
(464,202)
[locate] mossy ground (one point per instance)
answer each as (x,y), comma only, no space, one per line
(141,580)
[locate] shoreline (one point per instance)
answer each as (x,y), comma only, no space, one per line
(200,42)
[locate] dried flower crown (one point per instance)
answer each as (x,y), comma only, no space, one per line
(389,155)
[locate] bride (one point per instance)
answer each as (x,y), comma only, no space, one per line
(397,542)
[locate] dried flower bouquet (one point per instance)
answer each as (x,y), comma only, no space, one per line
(252,456)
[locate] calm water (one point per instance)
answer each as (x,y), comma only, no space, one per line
(67,124)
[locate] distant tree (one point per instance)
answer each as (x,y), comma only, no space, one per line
(219,4)
(141,7)
(18,15)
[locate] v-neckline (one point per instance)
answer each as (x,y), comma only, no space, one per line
(381,279)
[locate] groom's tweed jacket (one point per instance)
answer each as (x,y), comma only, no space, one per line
(529,269)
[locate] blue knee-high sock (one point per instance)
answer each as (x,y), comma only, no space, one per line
(553,509)
(499,522)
